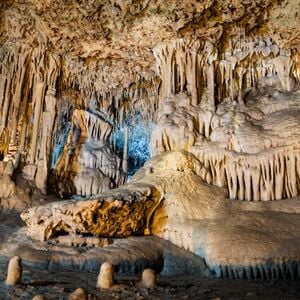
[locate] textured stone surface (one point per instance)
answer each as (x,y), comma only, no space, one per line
(120,213)
(261,238)
(88,164)
(121,57)
(219,79)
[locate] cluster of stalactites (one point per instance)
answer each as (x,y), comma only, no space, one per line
(31,98)
(202,110)
(27,105)
(27,75)
(118,103)
(103,76)
(198,69)
(88,164)
(186,66)
(270,175)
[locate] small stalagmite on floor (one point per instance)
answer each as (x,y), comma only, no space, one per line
(106,276)
(14,271)
(78,294)
(149,279)
(39,297)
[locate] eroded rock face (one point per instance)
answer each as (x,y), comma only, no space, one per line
(12,196)
(88,164)
(198,217)
(119,213)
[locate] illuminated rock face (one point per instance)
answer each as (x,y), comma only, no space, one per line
(224,98)
(118,213)
(191,214)
(88,165)
(237,115)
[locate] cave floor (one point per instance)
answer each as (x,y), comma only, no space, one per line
(58,284)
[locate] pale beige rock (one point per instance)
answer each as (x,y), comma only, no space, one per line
(14,271)
(7,186)
(251,148)
(29,172)
(78,294)
(47,121)
(105,278)
(149,279)
(39,297)
(79,240)
(8,168)
(88,165)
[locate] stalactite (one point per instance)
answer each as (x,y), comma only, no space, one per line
(179,65)
(88,164)
(125,151)
(217,126)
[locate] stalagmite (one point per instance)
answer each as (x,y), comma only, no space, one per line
(43,163)
(78,294)
(149,279)
(14,271)
(106,276)
(125,151)
(38,99)
(39,297)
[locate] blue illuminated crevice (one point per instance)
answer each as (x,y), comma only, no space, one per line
(138,141)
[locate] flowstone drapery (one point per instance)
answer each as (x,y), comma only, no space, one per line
(249,141)
(88,164)
(180,207)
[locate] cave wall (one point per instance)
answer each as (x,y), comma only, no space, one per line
(69,69)
(237,111)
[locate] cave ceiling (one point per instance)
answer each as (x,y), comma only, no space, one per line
(116,38)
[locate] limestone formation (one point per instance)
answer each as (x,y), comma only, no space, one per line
(239,141)
(78,294)
(88,164)
(12,196)
(39,297)
(219,81)
(14,271)
(106,276)
(79,240)
(115,214)
(149,279)
(197,216)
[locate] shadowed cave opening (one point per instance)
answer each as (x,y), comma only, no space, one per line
(139,133)
(63,127)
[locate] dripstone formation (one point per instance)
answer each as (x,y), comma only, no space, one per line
(214,84)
